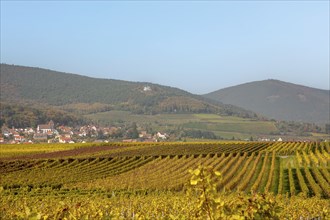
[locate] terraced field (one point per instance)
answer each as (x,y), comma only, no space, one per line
(281,168)
(258,180)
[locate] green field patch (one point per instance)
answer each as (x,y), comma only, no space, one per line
(248,127)
(239,127)
(230,135)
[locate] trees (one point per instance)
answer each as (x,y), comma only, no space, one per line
(327,128)
(132,132)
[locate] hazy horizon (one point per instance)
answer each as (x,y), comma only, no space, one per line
(199,47)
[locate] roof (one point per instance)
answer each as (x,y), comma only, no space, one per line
(42,127)
(38,135)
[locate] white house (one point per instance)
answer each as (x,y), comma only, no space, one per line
(161,136)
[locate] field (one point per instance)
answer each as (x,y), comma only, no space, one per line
(215,180)
(30,149)
(223,126)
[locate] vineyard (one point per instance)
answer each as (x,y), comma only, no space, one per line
(294,174)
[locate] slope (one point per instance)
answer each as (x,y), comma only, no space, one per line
(26,115)
(73,92)
(278,100)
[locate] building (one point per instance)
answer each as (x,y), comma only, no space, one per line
(40,137)
(65,139)
(146,89)
(18,138)
(46,128)
(161,136)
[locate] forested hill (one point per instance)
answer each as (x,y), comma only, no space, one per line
(279,100)
(24,115)
(29,84)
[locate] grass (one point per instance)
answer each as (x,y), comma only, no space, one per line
(320,135)
(224,126)
(247,127)
(229,135)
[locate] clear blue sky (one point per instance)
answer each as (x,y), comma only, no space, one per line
(196,46)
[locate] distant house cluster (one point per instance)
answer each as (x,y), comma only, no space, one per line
(28,135)
(270,139)
(64,134)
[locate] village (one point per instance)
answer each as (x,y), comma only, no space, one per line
(49,133)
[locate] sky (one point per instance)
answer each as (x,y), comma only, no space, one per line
(198,46)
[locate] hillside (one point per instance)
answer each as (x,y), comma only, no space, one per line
(278,100)
(73,93)
(24,115)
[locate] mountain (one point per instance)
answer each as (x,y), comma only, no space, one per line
(78,93)
(278,100)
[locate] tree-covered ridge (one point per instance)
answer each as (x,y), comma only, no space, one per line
(61,89)
(278,100)
(22,116)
